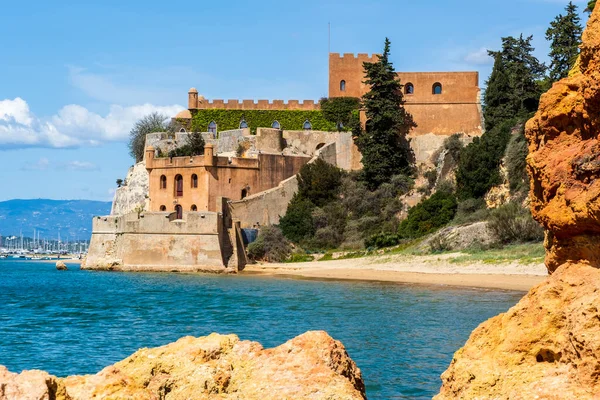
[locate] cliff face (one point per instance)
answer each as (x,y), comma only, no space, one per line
(548,345)
(135,193)
(310,366)
(564,159)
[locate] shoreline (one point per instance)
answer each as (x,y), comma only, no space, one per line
(437,270)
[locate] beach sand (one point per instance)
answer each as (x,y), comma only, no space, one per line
(430,269)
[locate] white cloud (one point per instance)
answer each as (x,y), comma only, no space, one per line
(72,126)
(42,165)
(478,57)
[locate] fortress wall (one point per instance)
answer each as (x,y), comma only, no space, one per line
(349,68)
(265,208)
(446,119)
(269,140)
(306,142)
(154,241)
(234,104)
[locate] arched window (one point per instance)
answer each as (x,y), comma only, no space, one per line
(194,208)
(437,88)
(243,124)
(194,181)
(307,126)
(212,127)
(179,211)
(244,193)
(182,130)
(178,185)
(409,88)
(342,86)
(276,125)
(163,208)
(163,182)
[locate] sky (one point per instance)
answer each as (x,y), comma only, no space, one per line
(76,75)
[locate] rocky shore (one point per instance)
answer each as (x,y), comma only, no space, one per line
(548,345)
(310,366)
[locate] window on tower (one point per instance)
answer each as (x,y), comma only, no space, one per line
(342,86)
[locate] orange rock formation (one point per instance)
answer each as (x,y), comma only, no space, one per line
(548,345)
(310,366)
(564,159)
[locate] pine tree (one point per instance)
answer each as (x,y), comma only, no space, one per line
(383,145)
(565,37)
(497,95)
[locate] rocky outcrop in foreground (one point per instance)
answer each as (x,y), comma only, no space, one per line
(310,366)
(548,345)
(545,347)
(564,159)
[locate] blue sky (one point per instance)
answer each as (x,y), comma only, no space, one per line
(75,75)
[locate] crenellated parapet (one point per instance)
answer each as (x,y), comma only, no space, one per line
(196,102)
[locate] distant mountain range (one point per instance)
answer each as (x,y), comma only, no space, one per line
(72,219)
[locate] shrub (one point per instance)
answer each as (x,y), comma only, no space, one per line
(299,257)
(402,184)
(429,215)
(478,166)
(319,182)
(382,240)
(439,244)
(453,145)
(270,245)
(297,224)
(512,223)
(471,210)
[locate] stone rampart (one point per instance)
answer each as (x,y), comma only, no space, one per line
(157,241)
(234,104)
(265,208)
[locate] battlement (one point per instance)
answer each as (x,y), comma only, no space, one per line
(234,104)
(362,57)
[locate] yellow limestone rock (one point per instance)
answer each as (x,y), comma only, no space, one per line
(310,366)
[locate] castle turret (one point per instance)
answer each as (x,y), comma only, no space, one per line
(149,156)
(209,153)
(192,99)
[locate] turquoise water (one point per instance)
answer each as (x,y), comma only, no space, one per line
(75,322)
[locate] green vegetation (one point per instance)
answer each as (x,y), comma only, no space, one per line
(429,215)
(333,209)
(528,253)
(343,111)
(383,143)
(512,223)
(590,6)
(478,167)
(151,123)
(288,119)
(564,35)
(193,147)
(270,245)
(516,154)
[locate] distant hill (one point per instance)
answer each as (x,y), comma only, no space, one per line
(71,218)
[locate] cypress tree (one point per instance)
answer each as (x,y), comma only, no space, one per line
(564,34)
(383,145)
(497,95)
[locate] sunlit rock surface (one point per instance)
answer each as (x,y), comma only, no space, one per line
(310,366)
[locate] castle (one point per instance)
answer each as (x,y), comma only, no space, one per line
(191,213)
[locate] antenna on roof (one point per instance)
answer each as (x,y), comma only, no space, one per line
(329,37)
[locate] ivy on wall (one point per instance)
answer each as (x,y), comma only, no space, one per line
(288,119)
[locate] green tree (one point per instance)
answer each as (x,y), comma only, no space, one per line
(193,147)
(429,215)
(297,224)
(383,144)
(564,35)
(153,122)
(478,167)
(590,6)
(319,182)
(497,96)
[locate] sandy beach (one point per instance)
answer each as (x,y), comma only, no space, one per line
(430,269)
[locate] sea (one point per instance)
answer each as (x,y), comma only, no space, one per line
(401,336)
